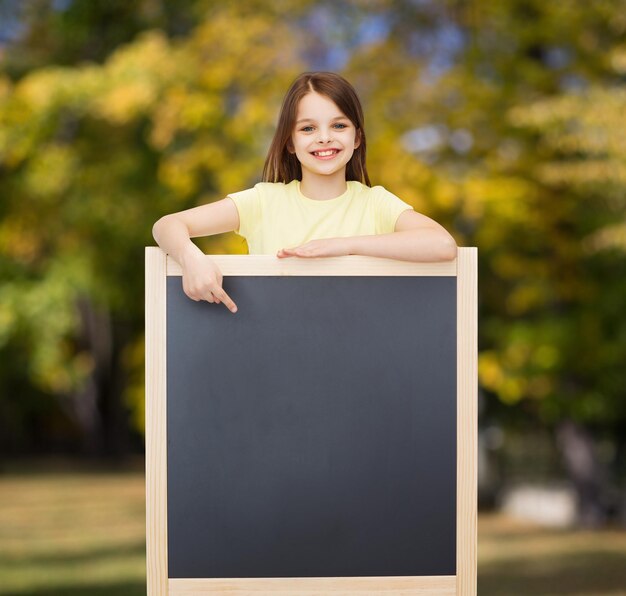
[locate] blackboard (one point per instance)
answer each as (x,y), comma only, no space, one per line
(314,433)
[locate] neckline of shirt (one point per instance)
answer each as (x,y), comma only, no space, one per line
(324,201)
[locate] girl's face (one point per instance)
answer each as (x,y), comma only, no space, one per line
(323,138)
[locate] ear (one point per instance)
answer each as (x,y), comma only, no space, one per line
(290,148)
(357,138)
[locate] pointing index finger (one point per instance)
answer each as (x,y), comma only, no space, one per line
(227,300)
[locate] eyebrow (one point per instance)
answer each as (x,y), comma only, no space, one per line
(313,120)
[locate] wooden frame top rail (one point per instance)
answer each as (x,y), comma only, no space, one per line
(346,265)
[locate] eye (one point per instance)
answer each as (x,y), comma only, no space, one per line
(340,125)
(306,129)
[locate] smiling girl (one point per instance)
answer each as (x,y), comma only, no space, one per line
(315,199)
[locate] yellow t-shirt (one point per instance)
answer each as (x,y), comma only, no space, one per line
(274,215)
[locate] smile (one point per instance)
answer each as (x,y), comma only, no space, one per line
(325,154)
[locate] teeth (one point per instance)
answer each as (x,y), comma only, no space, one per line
(326,153)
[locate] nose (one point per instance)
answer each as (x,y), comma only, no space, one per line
(324,136)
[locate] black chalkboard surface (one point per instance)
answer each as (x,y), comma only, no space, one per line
(313,433)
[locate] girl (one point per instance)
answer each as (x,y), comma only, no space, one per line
(315,199)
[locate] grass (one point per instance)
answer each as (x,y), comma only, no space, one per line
(517,558)
(74,533)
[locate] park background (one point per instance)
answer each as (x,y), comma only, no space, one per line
(502,120)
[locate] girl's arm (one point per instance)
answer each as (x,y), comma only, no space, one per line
(202,279)
(416,238)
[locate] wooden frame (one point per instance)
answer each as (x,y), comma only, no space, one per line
(464,268)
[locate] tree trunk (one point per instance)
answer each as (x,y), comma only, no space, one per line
(588,475)
(97,406)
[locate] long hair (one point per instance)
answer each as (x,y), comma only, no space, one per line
(283,166)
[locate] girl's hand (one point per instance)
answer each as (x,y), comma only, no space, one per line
(202,280)
(326,247)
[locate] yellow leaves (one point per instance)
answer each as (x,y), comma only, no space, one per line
(517,354)
(590,122)
(502,197)
(234,46)
(508,266)
(135,75)
(494,377)
(126,86)
(134,395)
(50,171)
(8,319)
(617,59)
(60,371)
(499,206)
(149,58)
(19,240)
(198,110)
(179,174)
(41,89)
(215,125)
(124,102)
(236,177)
(587,171)
(583,134)
(446,195)
(192,86)
(406,176)
(546,356)
(253,118)
(43,312)
(216,77)
(49,88)
(6,87)
(223,244)
(520,371)
(610,237)
(540,113)
(182,110)
(166,116)
(512,389)
(181,171)
(525,297)
(490,372)
(19,127)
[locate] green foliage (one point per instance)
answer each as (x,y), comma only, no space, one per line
(500,120)
(554,253)
(92,155)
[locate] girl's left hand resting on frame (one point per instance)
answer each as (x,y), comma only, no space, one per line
(325,247)
(416,238)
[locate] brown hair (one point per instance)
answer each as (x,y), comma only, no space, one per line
(283,166)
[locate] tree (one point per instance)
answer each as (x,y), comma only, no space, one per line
(91,156)
(544,201)
(500,120)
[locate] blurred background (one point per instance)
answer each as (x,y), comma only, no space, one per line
(502,120)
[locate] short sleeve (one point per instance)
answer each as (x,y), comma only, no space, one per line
(248,203)
(387,207)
